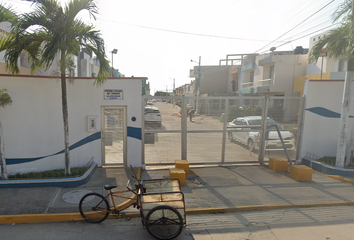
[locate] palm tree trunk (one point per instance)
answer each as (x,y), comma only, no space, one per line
(65,113)
(351,148)
(344,120)
(2,155)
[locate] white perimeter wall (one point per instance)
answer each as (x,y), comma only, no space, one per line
(33,125)
(321,117)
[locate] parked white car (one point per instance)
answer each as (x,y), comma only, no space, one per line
(249,138)
(153,115)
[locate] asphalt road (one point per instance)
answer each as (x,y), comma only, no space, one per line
(201,147)
(320,223)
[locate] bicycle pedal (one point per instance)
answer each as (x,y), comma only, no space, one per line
(122,214)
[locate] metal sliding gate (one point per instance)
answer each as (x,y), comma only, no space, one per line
(223,130)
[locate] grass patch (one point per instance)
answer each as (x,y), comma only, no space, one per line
(57,173)
(332,162)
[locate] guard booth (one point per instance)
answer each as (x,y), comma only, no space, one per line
(104,122)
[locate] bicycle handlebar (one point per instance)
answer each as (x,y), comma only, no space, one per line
(137,186)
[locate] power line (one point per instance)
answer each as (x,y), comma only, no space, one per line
(319,30)
(187,33)
(296,25)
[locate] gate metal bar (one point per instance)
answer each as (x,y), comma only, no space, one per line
(226,117)
(184,131)
(263,131)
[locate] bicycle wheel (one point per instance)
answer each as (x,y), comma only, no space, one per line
(164,222)
(94,208)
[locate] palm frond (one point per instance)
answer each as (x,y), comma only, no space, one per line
(7,14)
(75,6)
(92,41)
(49,31)
(343,10)
(340,41)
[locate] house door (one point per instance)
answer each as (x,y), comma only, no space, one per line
(113,135)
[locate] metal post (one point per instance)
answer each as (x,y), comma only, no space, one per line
(240,79)
(198,88)
(283,143)
(301,126)
(114,51)
(321,68)
(224,133)
(112,63)
(263,131)
(143,131)
(184,129)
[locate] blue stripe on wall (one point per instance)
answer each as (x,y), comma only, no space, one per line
(324,112)
(134,132)
(91,138)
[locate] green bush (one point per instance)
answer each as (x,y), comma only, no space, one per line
(236,111)
(57,173)
(276,113)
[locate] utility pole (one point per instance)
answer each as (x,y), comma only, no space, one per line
(198,88)
(198,84)
(114,51)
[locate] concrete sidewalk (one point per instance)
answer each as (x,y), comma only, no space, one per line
(208,189)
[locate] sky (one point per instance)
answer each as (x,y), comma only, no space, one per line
(158,39)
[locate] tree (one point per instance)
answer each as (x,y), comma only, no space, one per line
(50,30)
(6,14)
(160,93)
(5,99)
(338,43)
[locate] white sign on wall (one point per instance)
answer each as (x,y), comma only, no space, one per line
(113,94)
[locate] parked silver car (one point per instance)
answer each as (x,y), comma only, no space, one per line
(249,138)
(153,115)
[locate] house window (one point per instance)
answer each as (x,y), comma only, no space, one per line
(92,72)
(252,76)
(278,102)
(271,72)
(342,65)
(233,84)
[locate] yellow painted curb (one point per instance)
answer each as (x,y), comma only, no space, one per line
(37,218)
(342,179)
(266,207)
(65,217)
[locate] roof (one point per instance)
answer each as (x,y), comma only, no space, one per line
(153,108)
(253,117)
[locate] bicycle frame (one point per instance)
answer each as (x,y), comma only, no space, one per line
(137,191)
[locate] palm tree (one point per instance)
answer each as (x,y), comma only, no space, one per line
(338,43)
(50,30)
(5,99)
(6,14)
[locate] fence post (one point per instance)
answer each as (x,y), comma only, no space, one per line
(184,128)
(143,131)
(224,133)
(301,126)
(261,148)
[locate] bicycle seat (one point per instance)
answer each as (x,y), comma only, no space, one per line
(108,187)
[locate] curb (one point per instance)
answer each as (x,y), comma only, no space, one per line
(66,217)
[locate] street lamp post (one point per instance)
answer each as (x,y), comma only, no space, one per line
(198,85)
(114,51)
